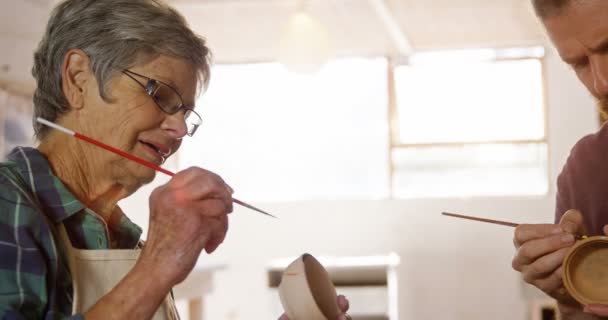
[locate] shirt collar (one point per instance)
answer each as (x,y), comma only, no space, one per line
(126,232)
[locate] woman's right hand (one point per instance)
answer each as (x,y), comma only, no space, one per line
(187,215)
(541,249)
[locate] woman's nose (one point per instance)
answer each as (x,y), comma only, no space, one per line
(175,125)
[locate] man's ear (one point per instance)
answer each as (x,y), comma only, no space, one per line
(75,75)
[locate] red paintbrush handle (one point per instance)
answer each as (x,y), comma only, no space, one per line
(124,154)
(151,165)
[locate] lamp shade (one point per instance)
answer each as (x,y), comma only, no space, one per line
(305,44)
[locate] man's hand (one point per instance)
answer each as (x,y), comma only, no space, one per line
(343,304)
(541,249)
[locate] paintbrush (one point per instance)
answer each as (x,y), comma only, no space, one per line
(131,157)
(502,223)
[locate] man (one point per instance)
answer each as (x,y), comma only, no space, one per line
(579,31)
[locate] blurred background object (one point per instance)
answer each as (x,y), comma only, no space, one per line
(305,43)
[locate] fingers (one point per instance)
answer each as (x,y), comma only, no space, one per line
(199,183)
(532,250)
(597,309)
(544,266)
(283,317)
(343,303)
(197,200)
(230,190)
(606,230)
(551,284)
(541,249)
(572,222)
(220,228)
(528,232)
(210,208)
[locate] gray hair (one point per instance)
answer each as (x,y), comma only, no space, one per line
(116,35)
(545,8)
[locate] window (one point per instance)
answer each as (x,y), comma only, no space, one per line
(469,124)
(276,136)
(445,125)
(15,122)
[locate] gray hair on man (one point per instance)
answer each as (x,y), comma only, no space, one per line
(116,35)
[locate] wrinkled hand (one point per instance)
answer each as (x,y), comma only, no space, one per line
(187,215)
(541,249)
(343,304)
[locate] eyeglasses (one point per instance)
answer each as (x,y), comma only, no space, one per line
(168,100)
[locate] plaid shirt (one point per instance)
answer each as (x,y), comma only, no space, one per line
(34,277)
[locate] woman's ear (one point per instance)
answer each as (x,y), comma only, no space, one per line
(76,74)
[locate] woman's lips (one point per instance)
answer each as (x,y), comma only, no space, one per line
(155,153)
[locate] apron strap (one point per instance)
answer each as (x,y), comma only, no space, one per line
(71,257)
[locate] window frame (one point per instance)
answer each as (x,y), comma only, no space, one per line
(500,55)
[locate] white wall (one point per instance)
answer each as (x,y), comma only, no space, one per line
(450,269)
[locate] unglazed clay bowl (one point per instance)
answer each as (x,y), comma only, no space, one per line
(306,291)
(586,271)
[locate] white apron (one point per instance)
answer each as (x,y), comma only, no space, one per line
(96,272)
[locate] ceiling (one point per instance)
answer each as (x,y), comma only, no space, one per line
(248,30)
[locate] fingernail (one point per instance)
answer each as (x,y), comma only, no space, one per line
(557,229)
(567,238)
(230,189)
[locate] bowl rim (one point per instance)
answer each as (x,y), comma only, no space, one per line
(567,280)
(326,279)
(303,279)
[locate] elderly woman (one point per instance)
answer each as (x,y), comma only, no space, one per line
(125,72)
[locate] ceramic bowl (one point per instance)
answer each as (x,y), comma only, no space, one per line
(306,291)
(586,271)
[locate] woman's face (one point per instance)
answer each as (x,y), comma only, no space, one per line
(132,122)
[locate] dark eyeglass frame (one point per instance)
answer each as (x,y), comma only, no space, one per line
(151,87)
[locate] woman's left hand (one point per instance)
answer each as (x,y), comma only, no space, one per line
(343,304)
